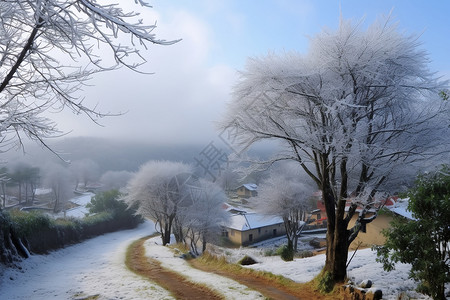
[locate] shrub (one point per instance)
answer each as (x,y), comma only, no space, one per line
(99,224)
(41,233)
(286,252)
(109,201)
(25,223)
(247,260)
(304,254)
(106,201)
(269,252)
(325,282)
(423,242)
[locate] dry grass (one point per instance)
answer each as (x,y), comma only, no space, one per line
(259,280)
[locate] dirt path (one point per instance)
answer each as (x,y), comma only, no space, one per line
(150,268)
(181,288)
(263,286)
(269,288)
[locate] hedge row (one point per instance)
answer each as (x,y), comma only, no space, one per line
(41,233)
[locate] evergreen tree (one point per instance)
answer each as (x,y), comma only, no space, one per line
(424,241)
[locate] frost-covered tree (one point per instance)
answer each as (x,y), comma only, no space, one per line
(205,215)
(228,179)
(59,179)
(157,193)
(25,177)
(49,49)
(184,189)
(287,195)
(115,179)
(84,171)
(357,109)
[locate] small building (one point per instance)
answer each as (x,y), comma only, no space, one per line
(373,231)
(248,228)
(318,216)
(247,190)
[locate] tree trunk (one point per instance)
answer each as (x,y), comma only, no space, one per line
(166,234)
(203,243)
(337,237)
(20,192)
(441,293)
(194,244)
(337,251)
(55,207)
(295,243)
(178,231)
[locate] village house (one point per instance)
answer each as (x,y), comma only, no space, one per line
(372,233)
(248,228)
(247,190)
(318,216)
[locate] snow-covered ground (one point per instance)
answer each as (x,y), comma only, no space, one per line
(80,211)
(363,266)
(96,267)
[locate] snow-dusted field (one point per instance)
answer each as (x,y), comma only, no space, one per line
(80,211)
(363,266)
(96,267)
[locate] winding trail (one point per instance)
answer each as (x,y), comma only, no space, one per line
(150,268)
(196,280)
(169,258)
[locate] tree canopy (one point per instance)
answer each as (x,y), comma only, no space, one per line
(156,193)
(358,112)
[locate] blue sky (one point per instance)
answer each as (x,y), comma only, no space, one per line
(247,28)
(193,79)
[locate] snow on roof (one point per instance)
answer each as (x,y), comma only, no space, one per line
(401,208)
(249,221)
(250,186)
(388,203)
(228,207)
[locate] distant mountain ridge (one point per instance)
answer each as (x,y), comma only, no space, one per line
(109,154)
